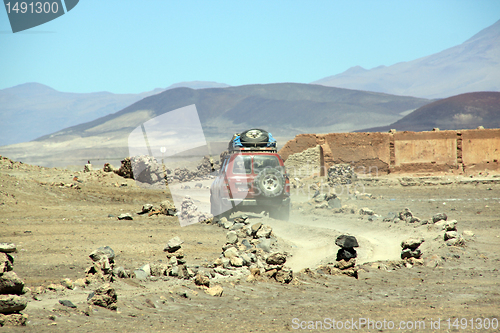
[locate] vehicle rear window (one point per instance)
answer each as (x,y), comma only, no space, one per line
(260,162)
(242,164)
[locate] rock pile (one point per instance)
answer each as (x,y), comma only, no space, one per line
(125,169)
(326,201)
(410,248)
(341,174)
(451,235)
(104,296)
(347,244)
(146,169)
(189,213)
(249,252)
(11,289)
(403,216)
(103,263)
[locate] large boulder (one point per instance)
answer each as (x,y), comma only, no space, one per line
(7,247)
(346,241)
(173,244)
(104,296)
(12,303)
(10,283)
(103,251)
(412,243)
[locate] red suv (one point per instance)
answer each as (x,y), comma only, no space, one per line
(252,178)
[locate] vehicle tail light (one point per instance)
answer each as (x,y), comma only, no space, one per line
(287,186)
(227,187)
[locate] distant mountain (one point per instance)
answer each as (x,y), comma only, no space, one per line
(30,110)
(471,66)
(465,111)
(285,109)
(198,85)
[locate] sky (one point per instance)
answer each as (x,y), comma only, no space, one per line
(125,46)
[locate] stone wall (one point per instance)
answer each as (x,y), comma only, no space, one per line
(464,151)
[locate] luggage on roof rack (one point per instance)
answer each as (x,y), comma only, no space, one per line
(252,140)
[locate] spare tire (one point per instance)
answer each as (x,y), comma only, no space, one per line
(254,136)
(270,182)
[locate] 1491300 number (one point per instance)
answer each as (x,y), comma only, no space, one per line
(38,7)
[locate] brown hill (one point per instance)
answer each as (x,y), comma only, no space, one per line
(465,111)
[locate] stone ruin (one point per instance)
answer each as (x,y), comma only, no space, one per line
(11,290)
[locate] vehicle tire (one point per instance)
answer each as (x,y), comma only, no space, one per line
(270,182)
(254,136)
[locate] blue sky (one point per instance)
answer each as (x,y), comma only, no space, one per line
(125,46)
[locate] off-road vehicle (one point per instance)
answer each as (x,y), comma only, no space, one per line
(252,177)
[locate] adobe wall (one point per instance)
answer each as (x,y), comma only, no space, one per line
(461,151)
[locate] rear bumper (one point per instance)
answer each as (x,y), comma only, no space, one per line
(257,202)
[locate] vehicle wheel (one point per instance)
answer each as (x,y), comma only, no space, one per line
(254,136)
(280,213)
(270,182)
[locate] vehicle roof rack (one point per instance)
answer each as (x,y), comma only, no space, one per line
(252,149)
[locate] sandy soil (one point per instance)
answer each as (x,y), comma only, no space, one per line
(57,226)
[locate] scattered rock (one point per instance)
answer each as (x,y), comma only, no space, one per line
(284,275)
(366,211)
(215,291)
(264,231)
(104,296)
(7,247)
(6,262)
(13,319)
(409,253)
(202,280)
(168,208)
(231,237)
(10,283)
(346,254)
(438,217)
(468,233)
(146,209)
(101,252)
(412,243)
(173,244)
(236,261)
(255,228)
(277,258)
(451,235)
(12,303)
(345,264)
(125,216)
(346,241)
(231,253)
(264,244)
(450,225)
(67,283)
(67,303)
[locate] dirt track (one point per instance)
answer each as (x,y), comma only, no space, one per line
(56,227)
